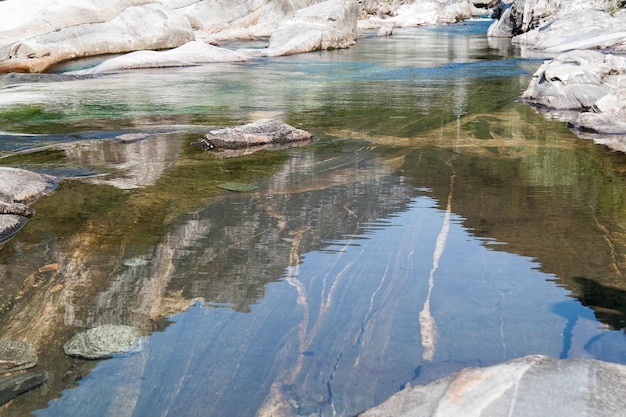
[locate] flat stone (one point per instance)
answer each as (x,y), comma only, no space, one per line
(104,342)
(15,356)
(258,133)
(532,386)
(14,385)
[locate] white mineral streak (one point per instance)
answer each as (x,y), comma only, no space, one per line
(428,326)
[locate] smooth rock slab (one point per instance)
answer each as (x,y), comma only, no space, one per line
(258,133)
(15,356)
(532,386)
(104,342)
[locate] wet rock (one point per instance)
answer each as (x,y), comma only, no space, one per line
(258,133)
(533,386)
(17,188)
(15,356)
(590,82)
(14,385)
(104,342)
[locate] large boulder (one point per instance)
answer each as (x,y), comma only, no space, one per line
(62,30)
(328,25)
(533,386)
(589,82)
(558,26)
(18,188)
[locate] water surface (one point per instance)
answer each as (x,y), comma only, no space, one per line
(433,223)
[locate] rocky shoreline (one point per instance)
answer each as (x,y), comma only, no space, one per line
(585,85)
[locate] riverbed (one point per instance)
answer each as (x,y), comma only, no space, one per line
(434,222)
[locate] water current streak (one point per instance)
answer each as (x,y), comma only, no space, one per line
(428,327)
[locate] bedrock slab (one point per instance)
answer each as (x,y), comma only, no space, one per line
(532,386)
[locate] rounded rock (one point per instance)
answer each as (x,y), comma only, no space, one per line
(104,342)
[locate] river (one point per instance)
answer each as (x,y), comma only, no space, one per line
(434,222)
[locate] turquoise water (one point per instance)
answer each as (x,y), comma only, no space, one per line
(433,223)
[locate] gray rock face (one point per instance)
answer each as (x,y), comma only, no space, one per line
(533,386)
(104,342)
(590,82)
(15,356)
(259,133)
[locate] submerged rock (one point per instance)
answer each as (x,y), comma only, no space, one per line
(533,386)
(15,356)
(104,342)
(14,385)
(589,82)
(258,133)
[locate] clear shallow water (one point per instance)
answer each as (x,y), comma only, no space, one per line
(434,223)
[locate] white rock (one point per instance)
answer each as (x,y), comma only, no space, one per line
(191,53)
(558,26)
(67,30)
(328,25)
(533,386)
(589,81)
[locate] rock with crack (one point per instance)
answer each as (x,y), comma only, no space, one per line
(260,133)
(532,386)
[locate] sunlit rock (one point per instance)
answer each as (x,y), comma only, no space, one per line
(533,386)
(104,342)
(191,53)
(15,356)
(64,30)
(558,26)
(587,81)
(328,25)
(258,133)
(414,13)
